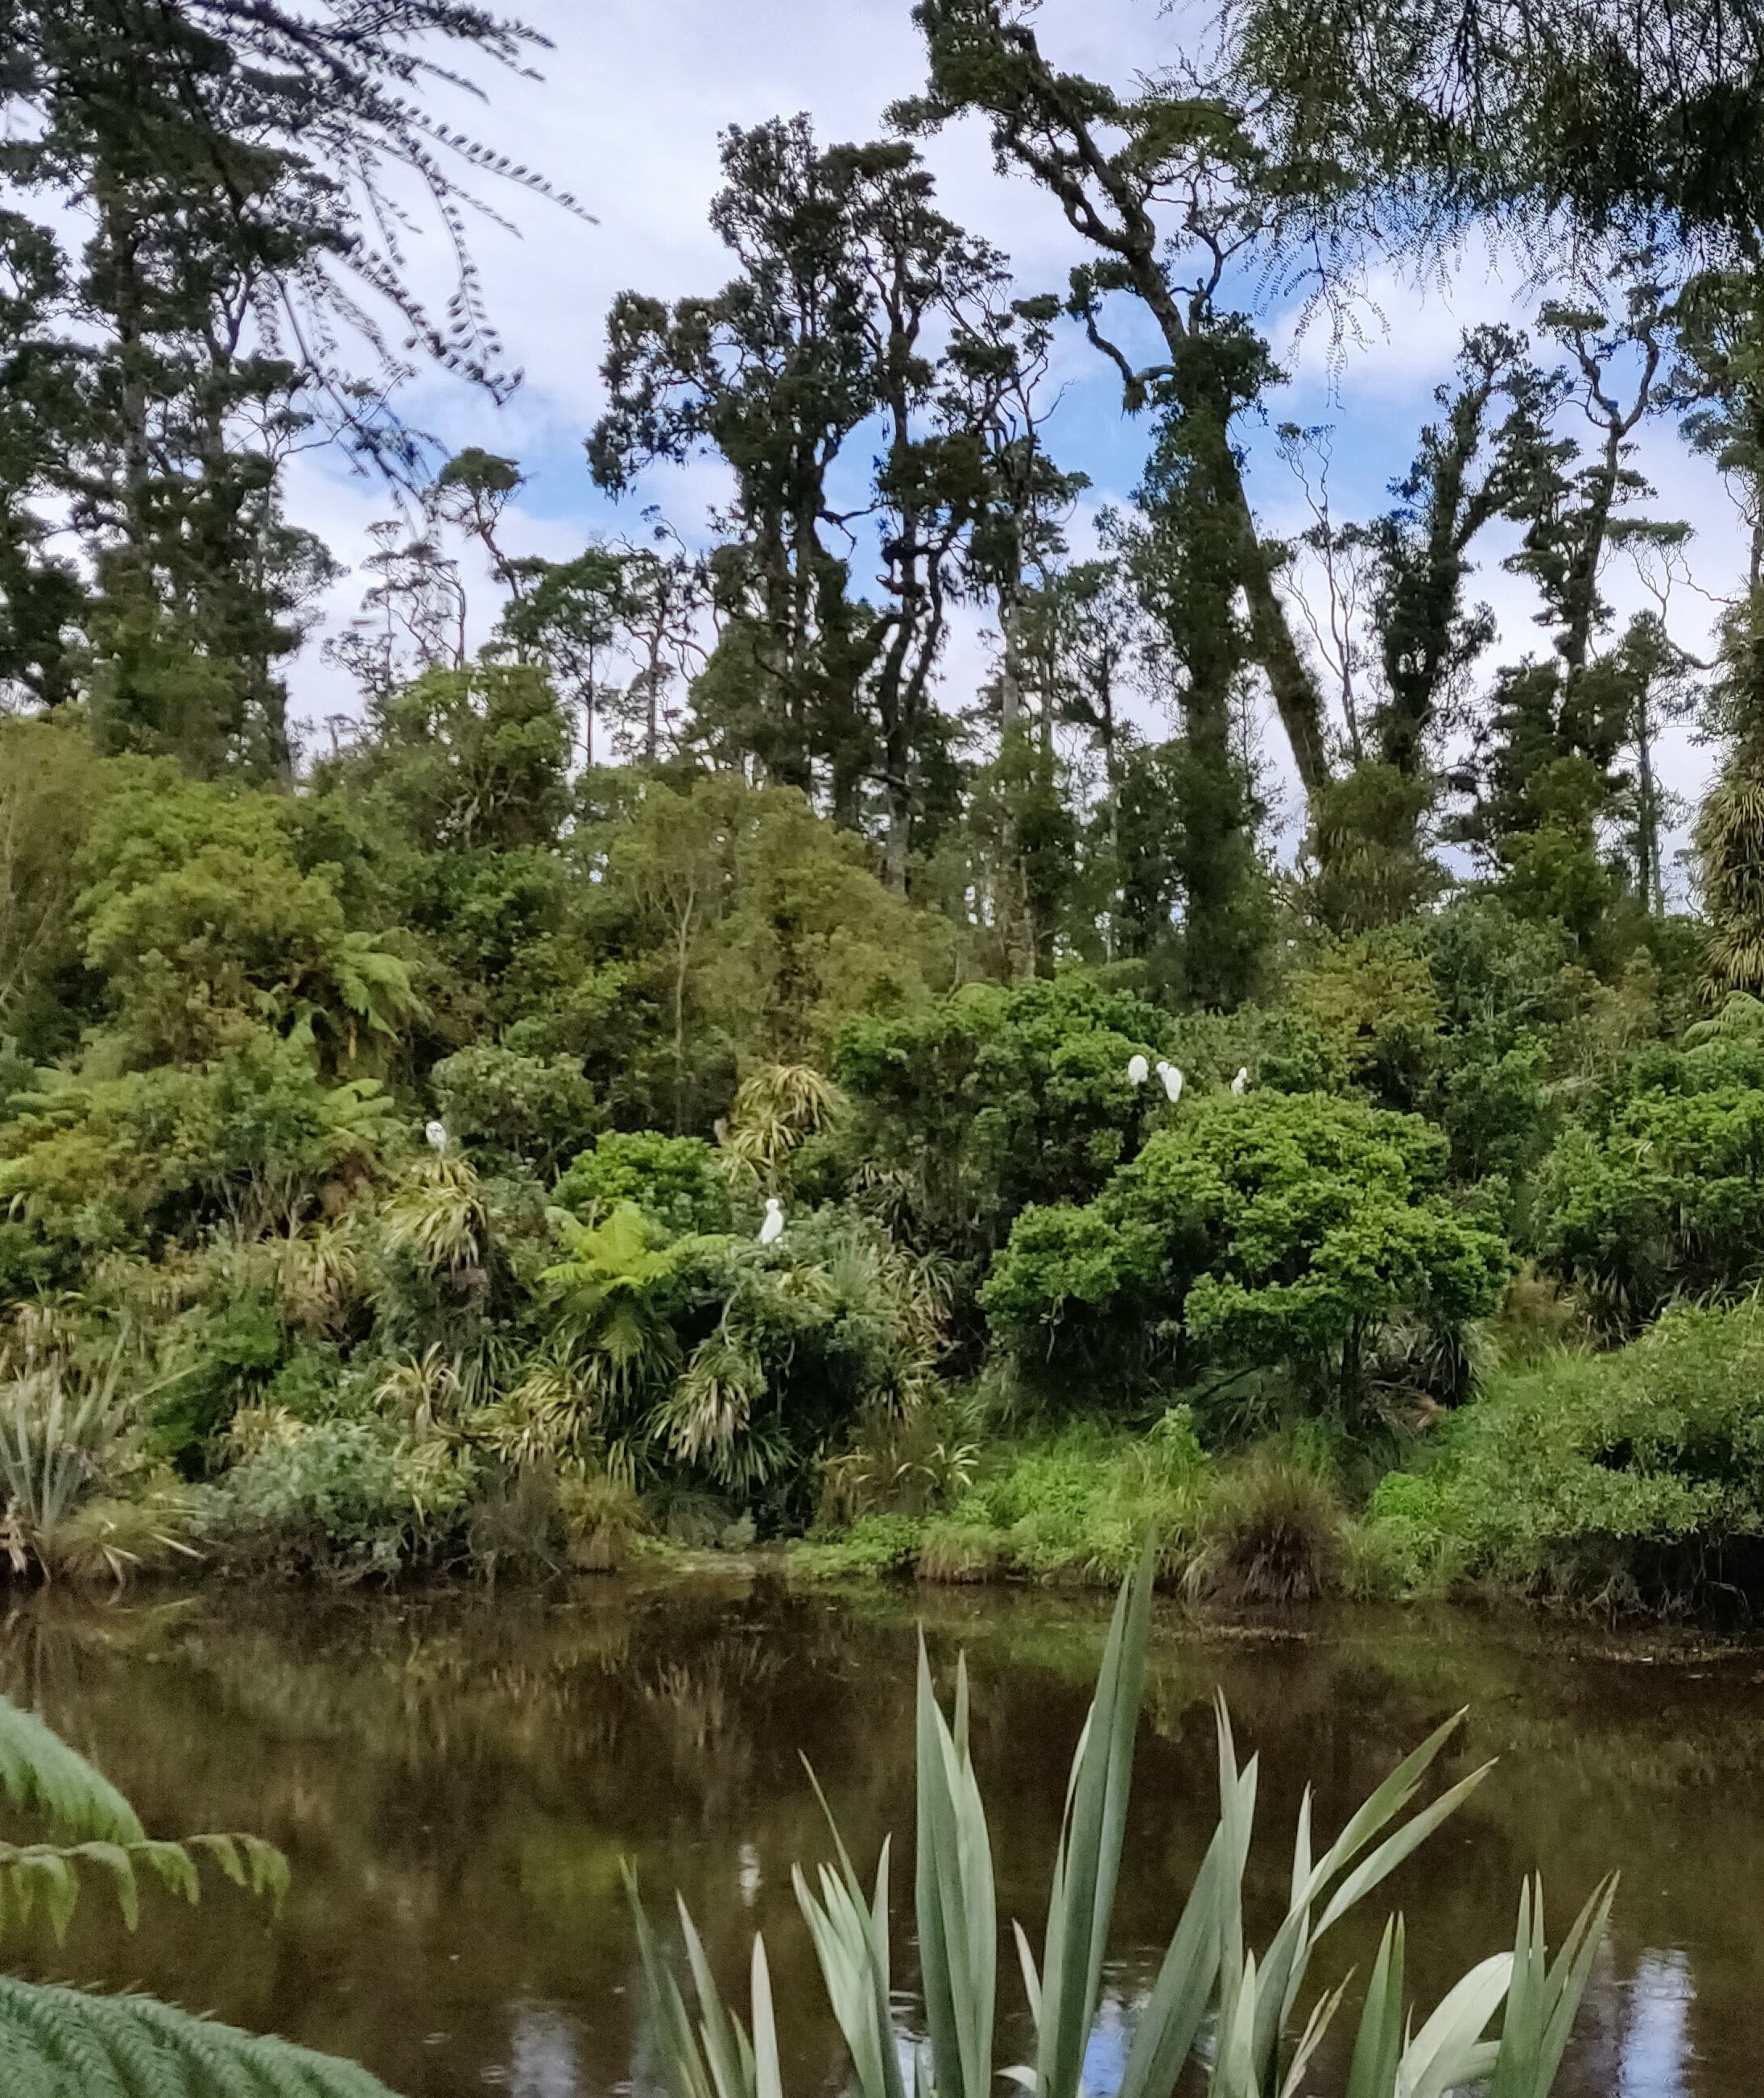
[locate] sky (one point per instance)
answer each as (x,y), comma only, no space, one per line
(627,118)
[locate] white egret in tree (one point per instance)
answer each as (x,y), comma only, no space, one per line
(1241,1083)
(773,1229)
(1172,1082)
(1138,1070)
(437,1134)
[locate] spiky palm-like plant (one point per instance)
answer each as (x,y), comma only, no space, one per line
(1213,1992)
(57,2042)
(1730,825)
(777,1108)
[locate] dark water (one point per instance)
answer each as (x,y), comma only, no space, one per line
(456,1781)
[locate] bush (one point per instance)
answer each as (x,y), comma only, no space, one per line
(343,1499)
(511,1107)
(674,1179)
(996,1098)
(1663,1196)
(1082,1506)
(601,1517)
(1273,1532)
(953,1551)
(1634,1477)
(875,1546)
(1271,1229)
(252,1140)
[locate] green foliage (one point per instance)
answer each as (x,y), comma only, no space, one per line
(1080,1506)
(54,2040)
(131,2047)
(673,1179)
(515,1108)
(1285,1230)
(1626,1478)
(875,1546)
(52,782)
(1272,1532)
(1210,1977)
(205,928)
(1659,1196)
(832,1322)
(343,1499)
(253,1140)
(472,758)
(994,1099)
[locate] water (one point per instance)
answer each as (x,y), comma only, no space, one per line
(456,1779)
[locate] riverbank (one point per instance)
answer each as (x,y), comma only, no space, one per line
(1630,1481)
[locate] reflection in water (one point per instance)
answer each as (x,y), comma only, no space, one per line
(542,2054)
(1655,2047)
(456,1781)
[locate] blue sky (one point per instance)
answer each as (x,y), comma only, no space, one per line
(627,118)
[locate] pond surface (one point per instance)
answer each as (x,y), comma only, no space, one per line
(456,1779)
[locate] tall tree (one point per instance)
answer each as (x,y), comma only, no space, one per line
(1185,559)
(191,184)
(773,373)
(1163,185)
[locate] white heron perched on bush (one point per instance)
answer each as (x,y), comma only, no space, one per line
(1173,1080)
(1241,1083)
(772,1229)
(1138,1070)
(437,1134)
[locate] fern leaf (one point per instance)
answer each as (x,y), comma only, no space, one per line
(174,1865)
(57,2042)
(45,1875)
(39,1771)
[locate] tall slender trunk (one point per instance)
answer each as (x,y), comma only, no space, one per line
(1581,594)
(1296,697)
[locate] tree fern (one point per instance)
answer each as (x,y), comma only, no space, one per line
(40,1774)
(58,2043)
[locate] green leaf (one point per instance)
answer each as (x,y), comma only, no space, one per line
(56,2042)
(39,1771)
(1089,1857)
(1378,2045)
(1543,2000)
(957,1908)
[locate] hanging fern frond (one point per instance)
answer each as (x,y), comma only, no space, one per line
(39,1773)
(46,1876)
(56,2042)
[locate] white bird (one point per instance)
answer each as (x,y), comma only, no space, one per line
(437,1134)
(1241,1083)
(1138,1070)
(773,1229)
(1172,1082)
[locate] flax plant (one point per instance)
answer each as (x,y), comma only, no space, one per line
(1216,1998)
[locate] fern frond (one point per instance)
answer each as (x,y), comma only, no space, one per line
(46,1875)
(39,1771)
(55,2043)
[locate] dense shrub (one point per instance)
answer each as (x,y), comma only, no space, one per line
(674,1179)
(1664,1193)
(1273,1531)
(994,1099)
(1286,1230)
(1637,1476)
(536,1109)
(343,1499)
(253,1141)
